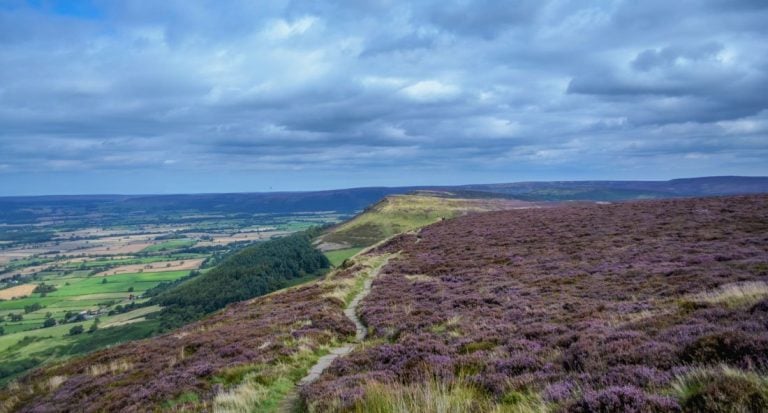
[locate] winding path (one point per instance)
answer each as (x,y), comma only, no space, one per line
(290,403)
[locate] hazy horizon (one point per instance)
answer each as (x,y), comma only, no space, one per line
(142,97)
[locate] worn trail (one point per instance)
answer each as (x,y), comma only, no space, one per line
(292,401)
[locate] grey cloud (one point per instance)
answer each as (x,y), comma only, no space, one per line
(345,85)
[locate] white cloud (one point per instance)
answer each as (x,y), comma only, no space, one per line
(431,91)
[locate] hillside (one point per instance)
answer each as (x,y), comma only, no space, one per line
(638,307)
(649,306)
(400,213)
(254,271)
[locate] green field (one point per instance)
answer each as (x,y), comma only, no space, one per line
(338,256)
(81,293)
(169,245)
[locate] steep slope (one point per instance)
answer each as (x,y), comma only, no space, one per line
(247,356)
(400,213)
(644,307)
(254,271)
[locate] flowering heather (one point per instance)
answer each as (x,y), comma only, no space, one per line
(592,308)
(193,360)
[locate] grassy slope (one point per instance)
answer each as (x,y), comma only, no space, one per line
(337,257)
(402,213)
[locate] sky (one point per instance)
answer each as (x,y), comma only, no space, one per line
(179,96)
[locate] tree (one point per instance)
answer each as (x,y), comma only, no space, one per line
(32,307)
(94,326)
(49,322)
(130,290)
(78,329)
(104,280)
(2,331)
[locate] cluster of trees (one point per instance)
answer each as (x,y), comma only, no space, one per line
(79,329)
(251,272)
(44,288)
(32,307)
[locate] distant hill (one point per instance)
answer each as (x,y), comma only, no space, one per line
(399,213)
(349,201)
(626,190)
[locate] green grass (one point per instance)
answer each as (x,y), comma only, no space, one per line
(170,245)
(262,387)
(81,294)
(23,351)
(397,214)
(59,334)
(338,256)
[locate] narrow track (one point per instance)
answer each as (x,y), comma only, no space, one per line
(292,402)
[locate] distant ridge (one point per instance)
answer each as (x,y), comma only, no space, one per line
(352,200)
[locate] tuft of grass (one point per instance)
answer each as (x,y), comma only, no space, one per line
(721,389)
(116,366)
(730,295)
(441,397)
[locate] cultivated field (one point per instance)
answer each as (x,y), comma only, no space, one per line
(17,291)
(160,266)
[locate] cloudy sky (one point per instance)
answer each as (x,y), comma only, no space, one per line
(174,96)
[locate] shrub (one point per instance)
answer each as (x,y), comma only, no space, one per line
(625,399)
(44,288)
(729,347)
(32,307)
(722,389)
(78,329)
(49,322)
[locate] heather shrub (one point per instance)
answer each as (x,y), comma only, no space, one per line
(761,307)
(626,399)
(633,375)
(722,389)
(728,346)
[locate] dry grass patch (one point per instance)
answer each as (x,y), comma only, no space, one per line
(440,397)
(17,291)
(55,381)
(420,278)
(731,295)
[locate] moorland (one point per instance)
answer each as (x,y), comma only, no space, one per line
(472,300)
